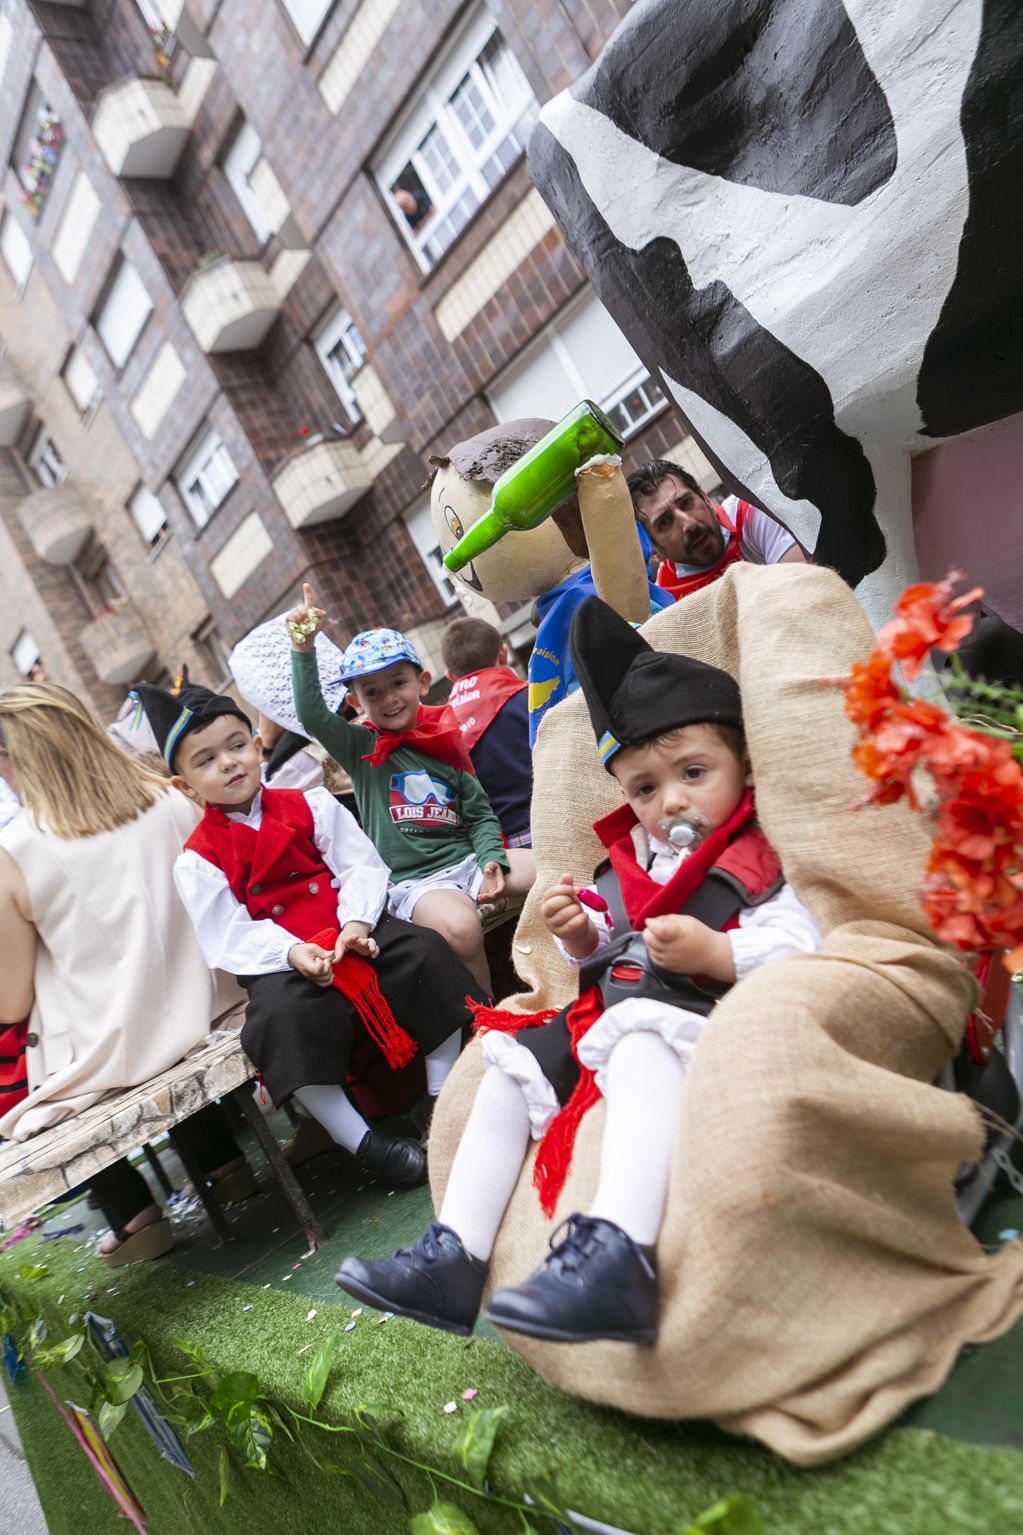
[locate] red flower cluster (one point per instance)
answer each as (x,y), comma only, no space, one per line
(974,893)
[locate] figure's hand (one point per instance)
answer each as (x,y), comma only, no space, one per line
(687,946)
(493,883)
(565,916)
(314,963)
(354,939)
(305,620)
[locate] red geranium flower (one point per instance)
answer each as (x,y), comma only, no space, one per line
(926,620)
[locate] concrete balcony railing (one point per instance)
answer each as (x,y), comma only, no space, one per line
(327,477)
(56,522)
(117,645)
(374,403)
(142,125)
(14,409)
(231,305)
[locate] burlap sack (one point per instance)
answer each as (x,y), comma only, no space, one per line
(815,1276)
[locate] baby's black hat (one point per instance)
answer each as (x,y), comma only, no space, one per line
(635,693)
(173,716)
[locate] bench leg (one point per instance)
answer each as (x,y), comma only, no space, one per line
(199,1181)
(158,1170)
(283,1173)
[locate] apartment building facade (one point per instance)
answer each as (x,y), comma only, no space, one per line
(259,259)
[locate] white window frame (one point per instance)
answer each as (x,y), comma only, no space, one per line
(418,521)
(148,515)
(338,332)
(45,461)
(311,14)
(152,16)
(550,339)
(86,392)
(16,249)
(513,115)
(655,401)
(20,650)
(240,161)
(206,476)
(128,303)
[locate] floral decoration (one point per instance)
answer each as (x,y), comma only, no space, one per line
(43,153)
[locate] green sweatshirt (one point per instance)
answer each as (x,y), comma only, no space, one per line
(420,814)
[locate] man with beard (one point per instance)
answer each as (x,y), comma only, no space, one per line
(697,540)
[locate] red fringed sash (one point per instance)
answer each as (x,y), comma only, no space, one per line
(356,979)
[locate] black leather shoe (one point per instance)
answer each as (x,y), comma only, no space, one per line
(436,1282)
(596,1283)
(394,1160)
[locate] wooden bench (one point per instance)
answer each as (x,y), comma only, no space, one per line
(46,1167)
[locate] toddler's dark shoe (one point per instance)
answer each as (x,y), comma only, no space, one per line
(436,1282)
(392,1159)
(596,1283)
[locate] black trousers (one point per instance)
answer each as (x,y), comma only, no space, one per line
(121,1191)
(298,1034)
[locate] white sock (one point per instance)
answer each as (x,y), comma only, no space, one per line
(330,1106)
(487,1163)
(645,1079)
(440,1061)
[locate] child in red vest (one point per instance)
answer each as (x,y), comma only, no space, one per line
(692,898)
(288,894)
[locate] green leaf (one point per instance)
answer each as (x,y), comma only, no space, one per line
(193,1351)
(377,1417)
(379,1481)
(546,1501)
(732,1516)
(223,1477)
(191,1410)
(251,1432)
(238,1387)
(122,1378)
(332,1467)
(7,1321)
(36,1334)
(316,1376)
(59,1353)
(31,1271)
(476,1441)
(442,1519)
(110,1415)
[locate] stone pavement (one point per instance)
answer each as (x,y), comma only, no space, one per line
(21,1506)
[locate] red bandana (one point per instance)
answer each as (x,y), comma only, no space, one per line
(476,699)
(435,733)
(680,586)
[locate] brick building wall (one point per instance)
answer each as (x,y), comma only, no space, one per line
(438,333)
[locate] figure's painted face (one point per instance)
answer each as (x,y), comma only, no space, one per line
(520,567)
(682,524)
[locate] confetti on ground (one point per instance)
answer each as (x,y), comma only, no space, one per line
(388,1316)
(247,1308)
(295,1266)
(189,1283)
(450,1406)
(275,1229)
(470,1395)
(357,1312)
(351,1326)
(1008,1235)
(310,1254)
(310,1316)
(266,1287)
(304,1350)
(286,1277)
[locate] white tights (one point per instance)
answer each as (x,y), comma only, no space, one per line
(334,1110)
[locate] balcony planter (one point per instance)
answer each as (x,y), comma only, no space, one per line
(56,522)
(231,305)
(321,482)
(14,409)
(117,645)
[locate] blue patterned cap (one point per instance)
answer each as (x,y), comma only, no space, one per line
(375,649)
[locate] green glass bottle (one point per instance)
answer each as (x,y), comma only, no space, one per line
(540,481)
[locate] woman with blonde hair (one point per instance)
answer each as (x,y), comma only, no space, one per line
(95,948)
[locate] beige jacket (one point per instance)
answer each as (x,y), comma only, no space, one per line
(121,990)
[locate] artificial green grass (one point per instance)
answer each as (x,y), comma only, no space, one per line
(645,1476)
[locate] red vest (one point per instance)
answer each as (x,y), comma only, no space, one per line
(277,871)
(681,586)
(475,700)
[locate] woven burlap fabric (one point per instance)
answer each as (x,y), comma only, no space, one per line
(815,1276)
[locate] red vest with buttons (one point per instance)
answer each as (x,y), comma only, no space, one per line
(275,871)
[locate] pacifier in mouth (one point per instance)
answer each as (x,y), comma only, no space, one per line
(681,834)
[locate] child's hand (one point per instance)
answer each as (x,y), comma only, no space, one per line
(687,946)
(564,915)
(304,620)
(354,939)
(493,883)
(314,963)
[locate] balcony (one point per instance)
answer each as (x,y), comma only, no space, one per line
(117,645)
(322,482)
(231,305)
(14,409)
(379,414)
(57,523)
(143,125)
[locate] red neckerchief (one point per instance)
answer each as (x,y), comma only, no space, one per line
(681,586)
(476,699)
(435,733)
